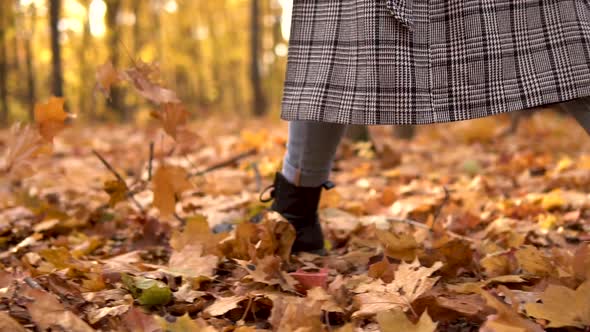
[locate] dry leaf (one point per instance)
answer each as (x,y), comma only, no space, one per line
(562,306)
(184,324)
(117,191)
(410,282)
(296,314)
(506,318)
(172,117)
(396,320)
(400,246)
(169,182)
(224,304)
(95,315)
(50,117)
(190,262)
(8,324)
(106,76)
(23,146)
(135,320)
(48,313)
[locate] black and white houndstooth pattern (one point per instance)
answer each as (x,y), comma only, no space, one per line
(430,61)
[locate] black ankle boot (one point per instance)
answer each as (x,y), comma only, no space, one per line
(299,206)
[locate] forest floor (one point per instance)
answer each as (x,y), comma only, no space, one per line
(460,229)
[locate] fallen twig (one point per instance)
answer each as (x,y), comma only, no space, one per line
(151,160)
(225,163)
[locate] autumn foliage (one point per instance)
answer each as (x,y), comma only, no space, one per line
(159,228)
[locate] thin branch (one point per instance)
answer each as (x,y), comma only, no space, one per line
(257,176)
(151,160)
(225,163)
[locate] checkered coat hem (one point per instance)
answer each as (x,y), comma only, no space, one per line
(430,61)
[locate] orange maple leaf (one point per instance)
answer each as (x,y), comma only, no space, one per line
(50,117)
(173,116)
(169,182)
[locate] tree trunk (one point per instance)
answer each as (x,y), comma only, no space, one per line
(3,65)
(113,7)
(83,103)
(54,14)
(31,88)
(258,103)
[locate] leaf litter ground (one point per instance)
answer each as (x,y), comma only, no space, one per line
(458,230)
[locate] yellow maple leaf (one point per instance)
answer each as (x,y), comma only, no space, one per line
(117,191)
(563,306)
(50,117)
(396,320)
(169,182)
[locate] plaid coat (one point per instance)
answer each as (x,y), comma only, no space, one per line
(429,61)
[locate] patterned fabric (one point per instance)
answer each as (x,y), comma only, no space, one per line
(429,61)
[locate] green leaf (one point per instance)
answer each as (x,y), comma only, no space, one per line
(158,294)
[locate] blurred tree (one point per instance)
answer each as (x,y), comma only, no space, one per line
(57,70)
(258,104)
(85,70)
(114,38)
(4,12)
(28,45)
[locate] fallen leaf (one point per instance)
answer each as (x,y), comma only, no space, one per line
(96,315)
(410,282)
(135,320)
(184,324)
(224,304)
(48,313)
(400,246)
(187,294)
(190,262)
(296,314)
(396,320)
(8,324)
(169,182)
(506,318)
(50,117)
(562,306)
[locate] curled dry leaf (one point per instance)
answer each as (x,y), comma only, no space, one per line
(173,117)
(140,78)
(169,182)
(23,146)
(107,76)
(396,320)
(410,282)
(50,117)
(563,307)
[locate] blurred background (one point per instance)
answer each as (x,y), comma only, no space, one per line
(218,55)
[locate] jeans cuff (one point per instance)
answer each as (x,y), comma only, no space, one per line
(304,178)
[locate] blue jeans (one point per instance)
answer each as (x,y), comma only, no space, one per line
(312,145)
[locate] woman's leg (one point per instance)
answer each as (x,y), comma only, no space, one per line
(580,110)
(310,152)
(298,187)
